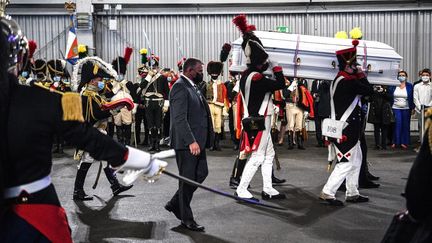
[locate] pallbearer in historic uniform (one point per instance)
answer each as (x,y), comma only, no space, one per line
(347,88)
(217,99)
(256,91)
(123,88)
(89,72)
(26,191)
(155,93)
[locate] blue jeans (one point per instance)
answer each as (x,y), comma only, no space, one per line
(402,126)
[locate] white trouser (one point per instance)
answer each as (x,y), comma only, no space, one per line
(346,170)
(263,156)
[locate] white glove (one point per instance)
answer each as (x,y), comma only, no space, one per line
(165,106)
(140,162)
(225,112)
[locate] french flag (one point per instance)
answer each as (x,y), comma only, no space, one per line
(72,43)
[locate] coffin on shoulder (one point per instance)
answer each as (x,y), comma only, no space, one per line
(314,57)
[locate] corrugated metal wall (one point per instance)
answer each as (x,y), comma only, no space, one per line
(409,32)
(50,33)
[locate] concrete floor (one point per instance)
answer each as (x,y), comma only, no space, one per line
(139,216)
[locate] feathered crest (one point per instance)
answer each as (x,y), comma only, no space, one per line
(226,48)
(341,35)
(241,23)
(143,53)
(127,54)
(32,48)
(356,33)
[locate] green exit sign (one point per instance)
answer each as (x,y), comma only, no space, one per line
(283,29)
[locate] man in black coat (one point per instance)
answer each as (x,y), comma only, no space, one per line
(321,94)
(191,132)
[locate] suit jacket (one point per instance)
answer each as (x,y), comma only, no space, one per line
(190,117)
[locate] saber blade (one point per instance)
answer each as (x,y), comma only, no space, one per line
(222,193)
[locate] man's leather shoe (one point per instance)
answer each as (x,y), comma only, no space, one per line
(276,180)
(193,226)
(369,184)
(170,208)
(266,196)
(372,177)
(333,202)
(357,199)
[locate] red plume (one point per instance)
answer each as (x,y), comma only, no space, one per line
(32,48)
(355,43)
(241,23)
(251,28)
(127,54)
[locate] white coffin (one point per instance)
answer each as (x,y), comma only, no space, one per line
(316,58)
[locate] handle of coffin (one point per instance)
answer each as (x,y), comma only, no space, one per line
(333,64)
(298,61)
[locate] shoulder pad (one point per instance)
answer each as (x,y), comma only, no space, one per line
(257,77)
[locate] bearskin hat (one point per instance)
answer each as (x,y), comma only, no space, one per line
(214,68)
(119,64)
(347,56)
(251,45)
(39,66)
(56,67)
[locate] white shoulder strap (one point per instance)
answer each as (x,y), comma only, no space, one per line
(245,97)
(350,109)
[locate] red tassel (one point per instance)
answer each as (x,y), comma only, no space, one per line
(355,42)
(241,23)
(127,54)
(32,48)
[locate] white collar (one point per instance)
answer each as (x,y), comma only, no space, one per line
(190,81)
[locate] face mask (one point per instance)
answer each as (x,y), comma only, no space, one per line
(56,79)
(101,85)
(24,74)
(425,78)
(198,78)
(120,77)
(402,79)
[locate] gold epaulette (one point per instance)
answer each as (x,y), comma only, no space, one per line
(428,127)
(72,107)
(71,104)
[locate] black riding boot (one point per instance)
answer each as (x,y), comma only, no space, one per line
(79,193)
(290,139)
(116,187)
(299,139)
(218,137)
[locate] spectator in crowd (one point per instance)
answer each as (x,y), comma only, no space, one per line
(402,104)
(423,95)
(380,114)
(321,94)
